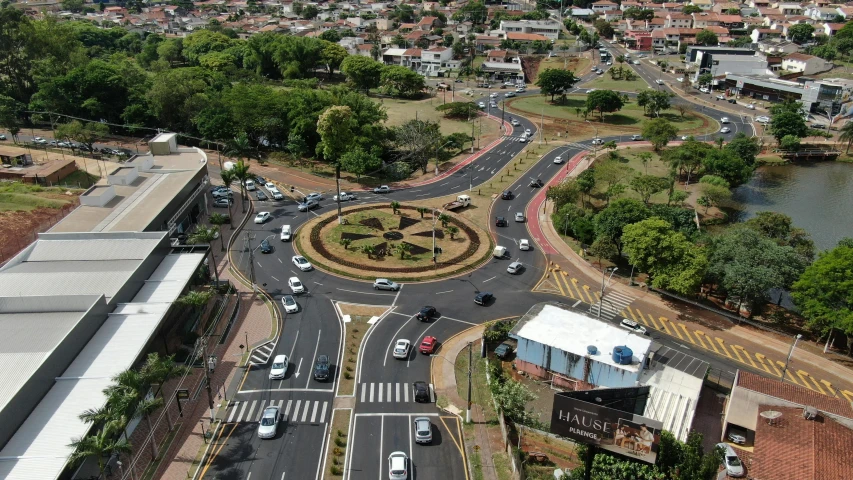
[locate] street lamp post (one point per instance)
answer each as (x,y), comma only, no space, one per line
(790,354)
(434,220)
(603,286)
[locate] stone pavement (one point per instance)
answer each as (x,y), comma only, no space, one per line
(254,324)
(443,375)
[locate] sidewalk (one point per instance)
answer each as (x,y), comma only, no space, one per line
(254,324)
(443,378)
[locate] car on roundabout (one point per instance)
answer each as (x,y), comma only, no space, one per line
(343,197)
(500,222)
(558,159)
(385,284)
(401,349)
(506,195)
(301,263)
(514,268)
(428,345)
(514,122)
(426,313)
(536,183)
(295,285)
(519,217)
(265,246)
(524,244)
(307,205)
(483,298)
(289,304)
(382,189)
(725,130)
(262,217)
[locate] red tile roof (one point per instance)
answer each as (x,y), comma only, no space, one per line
(526,36)
(794,393)
(793,448)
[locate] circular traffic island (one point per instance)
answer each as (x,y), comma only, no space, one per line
(397,243)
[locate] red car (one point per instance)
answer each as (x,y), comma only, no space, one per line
(428,345)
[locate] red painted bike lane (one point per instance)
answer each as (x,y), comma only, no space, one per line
(538,200)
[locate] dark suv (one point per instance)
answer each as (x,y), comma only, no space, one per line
(426,313)
(507,195)
(421,392)
(500,221)
(536,183)
(321,368)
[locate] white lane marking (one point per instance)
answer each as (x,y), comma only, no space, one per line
(251,409)
(576,304)
(388,397)
(446,291)
(401,314)
(406,394)
(308,379)
(363,392)
(318,283)
(381,392)
(259,264)
(288,390)
(277,280)
(456,320)
(381,439)
(484,281)
(245,404)
(279,261)
(365,293)
(231,415)
(422,195)
(393,339)
(411,451)
(287,409)
(305,411)
(398,295)
(323,413)
(261,411)
(371,393)
(397,393)
(296,410)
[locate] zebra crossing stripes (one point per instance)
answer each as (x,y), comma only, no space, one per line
(386,392)
(262,354)
(611,304)
(307,411)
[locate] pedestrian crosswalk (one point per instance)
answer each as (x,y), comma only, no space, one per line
(390,392)
(261,355)
(294,411)
(612,304)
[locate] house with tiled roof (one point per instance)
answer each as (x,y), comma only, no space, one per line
(795,433)
(829,29)
(526,37)
(805,64)
(678,20)
(760,34)
(603,6)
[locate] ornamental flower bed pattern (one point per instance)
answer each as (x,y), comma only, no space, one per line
(318,245)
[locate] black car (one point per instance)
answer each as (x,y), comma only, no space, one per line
(260,180)
(426,313)
(321,368)
(500,221)
(265,246)
(503,350)
(262,196)
(507,195)
(536,183)
(483,298)
(421,392)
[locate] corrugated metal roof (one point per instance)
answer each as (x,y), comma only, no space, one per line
(104,283)
(39,449)
(92,249)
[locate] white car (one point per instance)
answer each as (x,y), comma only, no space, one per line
(385,284)
(279,367)
(686,137)
(558,160)
(680,79)
(314,196)
(705,90)
(725,130)
(401,348)
(520,90)
(398,466)
(344,197)
(762,119)
(509,94)
(268,425)
(524,244)
(724,120)
(285,233)
(528,131)
(734,467)
(522,140)
(494,95)
(270,186)
(519,217)
(590,90)
(514,268)
(289,304)
(250,185)
(514,122)
(295,285)
(301,263)
(636,137)
(633,326)
(382,189)
(721,97)
(751,106)
(659,81)
(609,62)
(275,194)
(481,105)
(597,141)
(262,217)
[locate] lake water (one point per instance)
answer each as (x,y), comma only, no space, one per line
(817,196)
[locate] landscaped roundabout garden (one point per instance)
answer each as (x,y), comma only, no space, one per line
(381,241)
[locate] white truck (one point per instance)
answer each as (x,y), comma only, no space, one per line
(461,201)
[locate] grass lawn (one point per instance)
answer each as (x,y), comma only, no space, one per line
(631,114)
(480,393)
(80,179)
(25,197)
(571,63)
(401,111)
(604,82)
(629,158)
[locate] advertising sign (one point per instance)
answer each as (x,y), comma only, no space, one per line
(619,432)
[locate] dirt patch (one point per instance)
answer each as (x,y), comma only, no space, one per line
(338,443)
(530,66)
(354,331)
(27,210)
(361,310)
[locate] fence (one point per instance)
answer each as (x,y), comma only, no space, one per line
(14,240)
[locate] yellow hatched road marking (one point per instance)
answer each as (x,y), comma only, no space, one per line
(567,283)
(686,332)
(801,373)
(634,317)
(588,295)
(794,380)
(597,296)
(664,321)
(761,358)
(709,340)
(663,324)
(746,354)
(545,275)
(737,354)
(723,346)
(828,386)
(848,395)
(578,290)
(559,285)
(803,379)
(652,321)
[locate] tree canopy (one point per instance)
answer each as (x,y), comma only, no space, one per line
(553,81)
(824,292)
(604,101)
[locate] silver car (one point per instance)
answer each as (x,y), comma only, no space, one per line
(307,205)
(734,467)
(269,423)
(423,430)
(514,268)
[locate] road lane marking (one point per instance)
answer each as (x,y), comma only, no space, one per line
(399,290)
(296,409)
(260,412)
(814,380)
(700,336)
(686,332)
(305,411)
(389,393)
(231,415)
(760,359)
(216,453)
(790,375)
(371,393)
(559,283)
(397,393)
(366,293)
(803,379)
(746,354)
(363,392)
(723,346)
(251,409)
(323,413)
(381,441)
(277,280)
(663,325)
(381,389)
(848,395)
(576,304)
(264,390)
(828,386)
(406,394)
(308,377)
(287,409)
(484,281)
(446,291)
(243,409)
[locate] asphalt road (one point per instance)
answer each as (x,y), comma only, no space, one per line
(384,399)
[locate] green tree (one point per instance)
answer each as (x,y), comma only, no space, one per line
(202,42)
(670,259)
(362,72)
(746,148)
(310,12)
(790,143)
(512,398)
(336,129)
(687,158)
(563,193)
(403,248)
(658,132)
(780,228)
(824,292)
(74,6)
(604,101)
(345,242)
(601,248)
(689,9)
(678,197)
(401,80)
(228,178)
(359,162)
(101,445)
(217,220)
(444,219)
(458,109)
(604,28)
(610,222)
(333,55)
(653,101)
(707,37)
(395,205)
(206,235)
(648,185)
(86,133)
(452,230)
(554,81)
(800,33)
(645,159)
(586,182)
(611,173)
(787,120)
(241,174)
(715,194)
(846,135)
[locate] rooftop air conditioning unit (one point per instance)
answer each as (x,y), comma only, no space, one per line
(809,413)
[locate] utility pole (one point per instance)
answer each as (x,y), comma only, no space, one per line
(249,239)
(470,361)
(206,375)
(790,354)
(541,122)
(603,286)
(472,132)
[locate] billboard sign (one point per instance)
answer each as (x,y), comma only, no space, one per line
(619,432)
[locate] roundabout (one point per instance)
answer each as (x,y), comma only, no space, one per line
(384,241)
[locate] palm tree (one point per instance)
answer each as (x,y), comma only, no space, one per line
(100,445)
(206,235)
(452,230)
(160,370)
(847,135)
(444,218)
(345,242)
(395,205)
(228,180)
(218,220)
(147,407)
(240,147)
(368,249)
(241,173)
(403,248)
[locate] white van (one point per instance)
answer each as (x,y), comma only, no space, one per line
(499,252)
(250,185)
(285,233)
